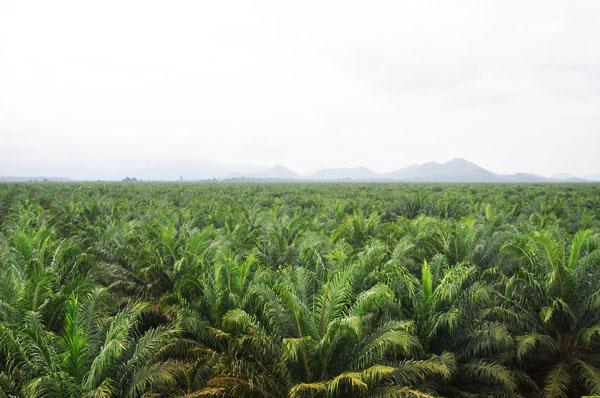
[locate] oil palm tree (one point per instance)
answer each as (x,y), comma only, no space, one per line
(453,309)
(557,305)
(314,338)
(95,355)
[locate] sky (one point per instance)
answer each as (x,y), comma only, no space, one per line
(91,89)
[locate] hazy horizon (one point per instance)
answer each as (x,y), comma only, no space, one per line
(208,171)
(90,90)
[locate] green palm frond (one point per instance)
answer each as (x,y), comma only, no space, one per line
(118,339)
(415,372)
(347,382)
(557,382)
(333,301)
(589,375)
(426,280)
(372,300)
(487,339)
(74,342)
(578,243)
(488,374)
(451,284)
(590,334)
(529,343)
(301,390)
(152,376)
(394,338)
(294,345)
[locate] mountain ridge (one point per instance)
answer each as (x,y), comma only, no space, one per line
(457,170)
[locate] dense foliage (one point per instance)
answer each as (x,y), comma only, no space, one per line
(299,290)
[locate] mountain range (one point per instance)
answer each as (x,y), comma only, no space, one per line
(453,171)
(456,170)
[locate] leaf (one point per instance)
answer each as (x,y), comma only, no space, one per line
(310,389)
(427,280)
(488,373)
(527,344)
(557,382)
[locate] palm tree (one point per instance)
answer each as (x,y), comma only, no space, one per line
(453,308)
(337,338)
(96,355)
(57,334)
(556,303)
(357,228)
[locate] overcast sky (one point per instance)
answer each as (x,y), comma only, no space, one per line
(94,86)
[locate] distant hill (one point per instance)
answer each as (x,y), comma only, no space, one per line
(456,170)
(562,176)
(453,171)
(345,173)
(566,177)
(523,177)
(278,172)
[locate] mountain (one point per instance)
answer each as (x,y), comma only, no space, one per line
(456,170)
(278,172)
(562,176)
(274,173)
(345,173)
(461,170)
(566,177)
(523,177)
(453,171)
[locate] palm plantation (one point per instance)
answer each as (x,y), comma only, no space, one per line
(299,290)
